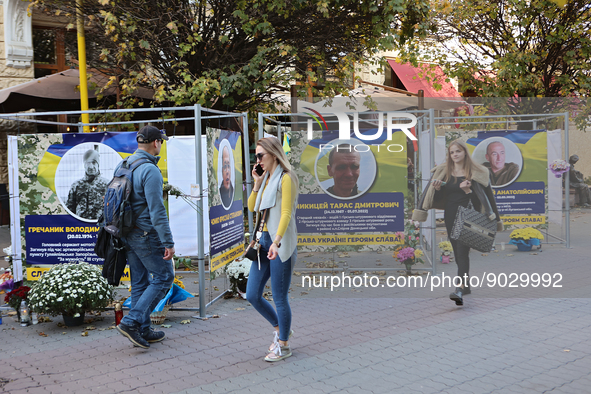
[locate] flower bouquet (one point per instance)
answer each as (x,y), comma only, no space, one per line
(237,272)
(408,256)
(446,251)
(70,289)
(15,297)
(6,282)
(559,167)
(525,238)
(409,253)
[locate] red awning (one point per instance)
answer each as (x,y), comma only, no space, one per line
(414,79)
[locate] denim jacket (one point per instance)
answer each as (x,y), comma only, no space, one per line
(147,190)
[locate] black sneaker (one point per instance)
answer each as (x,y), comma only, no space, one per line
(133,334)
(457,296)
(153,336)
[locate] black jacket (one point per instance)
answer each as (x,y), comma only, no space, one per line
(481,187)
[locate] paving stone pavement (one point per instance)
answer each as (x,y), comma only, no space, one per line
(378,340)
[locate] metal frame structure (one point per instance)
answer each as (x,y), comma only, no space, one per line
(197,117)
(535,119)
(425,121)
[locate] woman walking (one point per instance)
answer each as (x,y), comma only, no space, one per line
(275,191)
(457,182)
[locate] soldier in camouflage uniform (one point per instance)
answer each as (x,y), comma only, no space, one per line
(86,195)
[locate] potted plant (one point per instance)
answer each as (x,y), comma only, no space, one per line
(237,272)
(71,290)
(446,251)
(525,238)
(15,297)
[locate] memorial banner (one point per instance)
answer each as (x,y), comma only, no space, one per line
(62,182)
(352,190)
(518,165)
(226,217)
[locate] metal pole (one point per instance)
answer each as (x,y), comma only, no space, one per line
(261,127)
(433,218)
(82,64)
(247,167)
(421,95)
(566,184)
(294,108)
(200,236)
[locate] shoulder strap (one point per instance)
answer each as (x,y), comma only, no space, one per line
(260,225)
(263,220)
(136,163)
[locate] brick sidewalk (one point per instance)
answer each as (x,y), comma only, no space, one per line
(375,341)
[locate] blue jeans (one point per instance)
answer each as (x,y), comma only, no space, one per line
(151,276)
(280,274)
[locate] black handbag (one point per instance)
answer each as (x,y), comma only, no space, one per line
(103,243)
(111,249)
(252,250)
(474,229)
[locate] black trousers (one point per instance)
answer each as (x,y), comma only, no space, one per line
(462,256)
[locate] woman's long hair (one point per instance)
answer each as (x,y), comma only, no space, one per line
(273,146)
(468,163)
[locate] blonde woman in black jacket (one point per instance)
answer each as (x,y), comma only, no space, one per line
(457,182)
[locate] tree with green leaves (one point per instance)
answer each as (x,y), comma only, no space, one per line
(233,54)
(511,48)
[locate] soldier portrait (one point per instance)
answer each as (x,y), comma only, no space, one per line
(82,177)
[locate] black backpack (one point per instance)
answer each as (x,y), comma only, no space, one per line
(117,221)
(118,217)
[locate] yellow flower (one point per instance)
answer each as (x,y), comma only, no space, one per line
(179,283)
(526,234)
(395,254)
(445,246)
(418,253)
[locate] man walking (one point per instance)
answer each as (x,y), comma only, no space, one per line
(149,245)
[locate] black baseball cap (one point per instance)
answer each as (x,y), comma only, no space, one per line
(150,133)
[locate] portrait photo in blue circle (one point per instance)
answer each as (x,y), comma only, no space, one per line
(345,169)
(501,157)
(226,177)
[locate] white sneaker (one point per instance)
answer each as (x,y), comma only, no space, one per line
(276,340)
(279,353)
